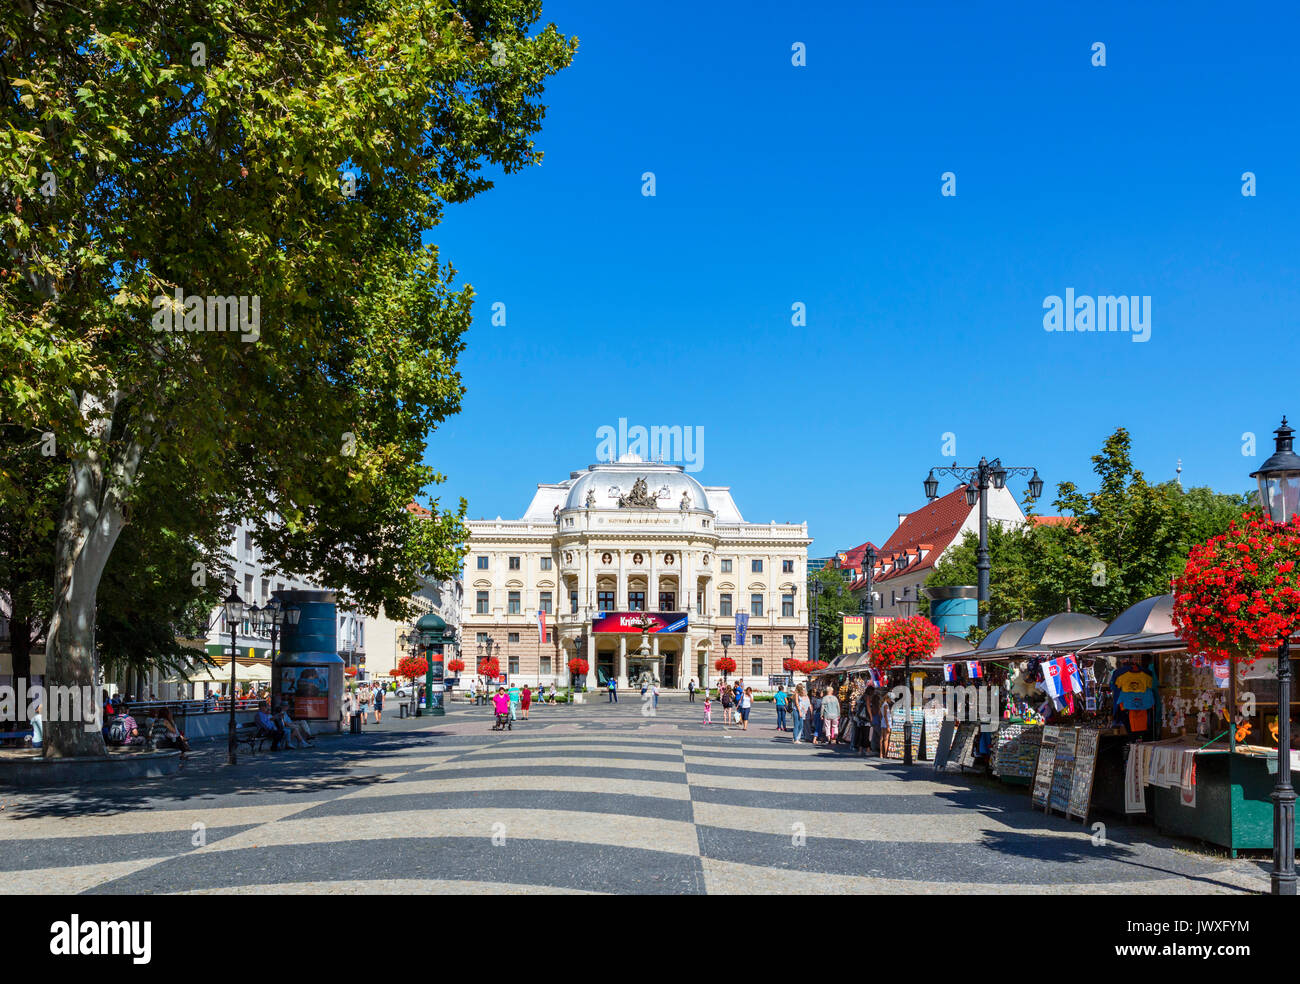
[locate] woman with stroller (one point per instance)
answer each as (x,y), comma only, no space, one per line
(501,708)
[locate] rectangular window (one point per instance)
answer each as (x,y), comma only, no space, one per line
(546,666)
(636,601)
(512,603)
(512,637)
(787,605)
(726,566)
(546,563)
(480,603)
(482,563)
(545,603)
(756,604)
(667,601)
(787,567)
(758,639)
(605,601)
(724,604)
(756,666)
(787,641)
(514,563)
(699,602)
(514,665)
(756,567)
(573,603)
(481,638)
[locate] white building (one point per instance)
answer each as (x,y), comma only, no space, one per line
(624,540)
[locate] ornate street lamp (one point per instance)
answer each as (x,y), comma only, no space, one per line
(234,615)
(816,589)
(580,649)
(1279,490)
(978,479)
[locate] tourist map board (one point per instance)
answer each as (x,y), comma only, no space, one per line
(1063,770)
(1085,767)
(1043,772)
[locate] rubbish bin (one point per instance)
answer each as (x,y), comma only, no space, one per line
(356,724)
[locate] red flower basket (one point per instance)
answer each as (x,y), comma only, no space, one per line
(395,672)
(456,665)
(350,671)
(1239,595)
(725,665)
(904,640)
(789,664)
(412,667)
(489,667)
(578,667)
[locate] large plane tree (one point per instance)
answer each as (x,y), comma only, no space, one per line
(215,269)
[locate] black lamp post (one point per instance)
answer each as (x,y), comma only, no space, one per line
(726,644)
(816,588)
(1279,490)
(580,648)
(977,479)
(234,615)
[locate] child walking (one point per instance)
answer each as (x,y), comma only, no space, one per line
(708,709)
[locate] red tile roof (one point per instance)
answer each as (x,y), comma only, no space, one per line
(1051,520)
(931,528)
(419,510)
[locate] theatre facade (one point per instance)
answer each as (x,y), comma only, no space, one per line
(629,546)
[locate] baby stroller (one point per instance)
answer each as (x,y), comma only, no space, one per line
(503,722)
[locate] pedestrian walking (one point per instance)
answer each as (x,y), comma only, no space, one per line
(830,714)
(379,705)
(815,698)
(708,709)
(654,689)
(746,704)
(525,700)
(886,723)
(802,713)
(613,690)
(513,693)
(779,700)
(690,689)
(728,701)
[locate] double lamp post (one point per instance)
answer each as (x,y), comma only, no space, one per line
(266,619)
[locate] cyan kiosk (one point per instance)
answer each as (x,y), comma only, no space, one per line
(307,677)
(434,638)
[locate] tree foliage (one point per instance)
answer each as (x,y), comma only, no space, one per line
(292,153)
(835,602)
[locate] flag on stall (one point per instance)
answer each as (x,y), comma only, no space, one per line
(974,669)
(1061,677)
(949,673)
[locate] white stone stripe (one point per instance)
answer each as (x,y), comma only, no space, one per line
(391,886)
(945,828)
(867,787)
(794,764)
(146,821)
(397,761)
(586,746)
(554,784)
(71,880)
(613,830)
(541,760)
(729,878)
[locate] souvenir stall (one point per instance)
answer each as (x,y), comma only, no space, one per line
(1210,774)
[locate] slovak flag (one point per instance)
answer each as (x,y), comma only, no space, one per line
(1061,677)
(974,669)
(949,673)
(541,625)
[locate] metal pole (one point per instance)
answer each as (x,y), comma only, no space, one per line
(982,559)
(907,721)
(234,648)
(1283,876)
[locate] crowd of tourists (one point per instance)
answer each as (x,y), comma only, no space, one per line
(853,715)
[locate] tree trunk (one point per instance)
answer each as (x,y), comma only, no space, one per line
(91,521)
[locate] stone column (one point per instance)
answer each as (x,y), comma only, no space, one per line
(620,668)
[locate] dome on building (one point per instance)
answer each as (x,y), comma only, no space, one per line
(664,484)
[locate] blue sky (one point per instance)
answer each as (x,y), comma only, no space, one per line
(821,185)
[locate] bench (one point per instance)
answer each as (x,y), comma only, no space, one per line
(18,736)
(251,735)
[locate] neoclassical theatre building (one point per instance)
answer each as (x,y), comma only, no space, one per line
(621,543)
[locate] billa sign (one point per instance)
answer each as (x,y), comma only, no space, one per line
(660,622)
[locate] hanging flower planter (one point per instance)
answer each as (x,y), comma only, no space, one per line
(905,640)
(725,665)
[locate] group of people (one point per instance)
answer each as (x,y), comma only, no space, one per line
(121,727)
(275,723)
(855,716)
(521,700)
(509,705)
(737,701)
(364,700)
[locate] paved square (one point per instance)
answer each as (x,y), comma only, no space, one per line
(594,798)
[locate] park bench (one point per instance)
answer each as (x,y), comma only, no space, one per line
(251,735)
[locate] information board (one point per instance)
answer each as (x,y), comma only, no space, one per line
(1063,771)
(1085,767)
(964,744)
(941,755)
(1043,771)
(1017,751)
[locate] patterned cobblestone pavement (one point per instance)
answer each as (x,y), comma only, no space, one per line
(594,798)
